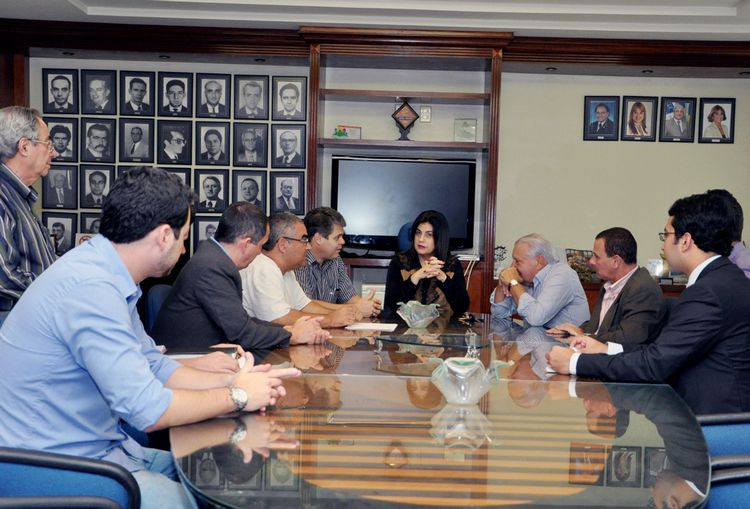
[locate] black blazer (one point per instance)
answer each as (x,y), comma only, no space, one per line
(636,316)
(703,350)
(205,308)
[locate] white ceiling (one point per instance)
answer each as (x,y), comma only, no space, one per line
(720,20)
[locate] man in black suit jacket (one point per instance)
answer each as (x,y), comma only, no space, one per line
(212,107)
(205,304)
(60,88)
(175,90)
(634,305)
(602,125)
(702,350)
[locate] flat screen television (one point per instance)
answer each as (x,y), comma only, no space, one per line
(377,196)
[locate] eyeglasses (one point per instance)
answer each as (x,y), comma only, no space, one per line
(663,235)
(47,142)
(302,239)
(179,141)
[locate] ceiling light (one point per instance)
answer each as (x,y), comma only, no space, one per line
(647,71)
(164,57)
(68,53)
(550,69)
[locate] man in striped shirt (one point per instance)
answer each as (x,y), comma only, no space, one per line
(25,246)
(324,277)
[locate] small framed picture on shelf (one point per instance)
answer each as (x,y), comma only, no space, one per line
(348,132)
(465,130)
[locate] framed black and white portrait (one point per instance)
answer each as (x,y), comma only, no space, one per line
(59,188)
(288,192)
(137,92)
(96,180)
(204,228)
(90,222)
(60,92)
(289,98)
(63,132)
(280,475)
(601,116)
(62,228)
(98,137)
(250,142)
(98,92)
(212,143)
(136,140)
(655,462)
(121,169)
(176,94)
(624,466)
(716,120)
(211,186)
(677,119)
(250,97)
(206,473)
(250,186)
(182,173)
(213,95)
(288,147)
(639,118)
(174,142)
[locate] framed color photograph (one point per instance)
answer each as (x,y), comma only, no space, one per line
(250,142)
(677,119)
(63,132)
(601,117)
(62,228)
(60,91)
(211,186)
(288,192)
(624,466)
(288,145)
(289,98)
(136,140)
(96,180)
(98,138)
(60,188)
(213,95)
(137,93)
(212,143)
(204,228)
(250,97)
(174,142)
(98,92)
(176,94)
(250,186)
(716,120)
(639,118)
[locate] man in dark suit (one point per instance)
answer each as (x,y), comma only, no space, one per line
(286,202)
(60,88)
(212,107)
(174,147)
(97,143)
(289,157)
(97,183)
(252,93)
(702,350)
(212,188)
(205,304)
(214,153)
(137,90)
(175,95)
(603,125)
(249,192)
(630,307)
(62,194)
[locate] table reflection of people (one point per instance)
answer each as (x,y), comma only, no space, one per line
(716,128)
(637,120)
(427,271)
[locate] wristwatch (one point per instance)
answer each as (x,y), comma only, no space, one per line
(239,398)
(240,431)
(513,283)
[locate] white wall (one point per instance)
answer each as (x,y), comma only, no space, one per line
(553,183)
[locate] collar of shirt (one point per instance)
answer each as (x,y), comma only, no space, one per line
(25,191)
(121,278)
(616,287)
(171,155)
(697,271)
(541,275)
(221,247)
(311,260)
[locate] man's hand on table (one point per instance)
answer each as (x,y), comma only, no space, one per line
(262,384)
(558,358)
(217,362)
(369,306)
(307,330)
(586,344)
(262,435)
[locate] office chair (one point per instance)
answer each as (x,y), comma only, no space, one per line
(726,434)
(730,482)
(404,237)
(154,299)
(43,479)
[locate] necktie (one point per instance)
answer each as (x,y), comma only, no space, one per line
(679,125)
(174,109)
(60,196)
(601,126)
(210,204)
(99,109)
(132,149)
(98,201)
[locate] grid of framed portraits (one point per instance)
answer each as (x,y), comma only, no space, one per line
(217,132)
(624,466)
(674,119)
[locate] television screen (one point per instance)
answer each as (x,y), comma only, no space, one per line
(377,196)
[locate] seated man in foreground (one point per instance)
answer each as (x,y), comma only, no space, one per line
(205,304)
(76,360)
(324,277)
(702,350)
(544,291)
(270,290)
(630,307)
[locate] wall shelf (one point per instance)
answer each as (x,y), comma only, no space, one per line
(341,94)
(409,144)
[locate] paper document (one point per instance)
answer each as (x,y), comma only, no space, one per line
(387,327)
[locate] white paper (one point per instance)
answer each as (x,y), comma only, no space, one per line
(386,327)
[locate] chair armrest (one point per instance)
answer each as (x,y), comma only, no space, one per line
(58,503)
(734,418)
(730,475)
(730,461)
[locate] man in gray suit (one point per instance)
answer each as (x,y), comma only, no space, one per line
(677,126)
(631,307)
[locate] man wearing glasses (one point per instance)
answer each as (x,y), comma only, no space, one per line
(702,350)
(174,147)
(26,153)
(270,290)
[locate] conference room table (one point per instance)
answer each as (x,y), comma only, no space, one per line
(462,415)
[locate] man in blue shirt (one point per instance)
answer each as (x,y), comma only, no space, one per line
(76,360)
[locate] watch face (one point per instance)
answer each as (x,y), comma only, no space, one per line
(239,396)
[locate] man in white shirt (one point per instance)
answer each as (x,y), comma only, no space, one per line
(270,290)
